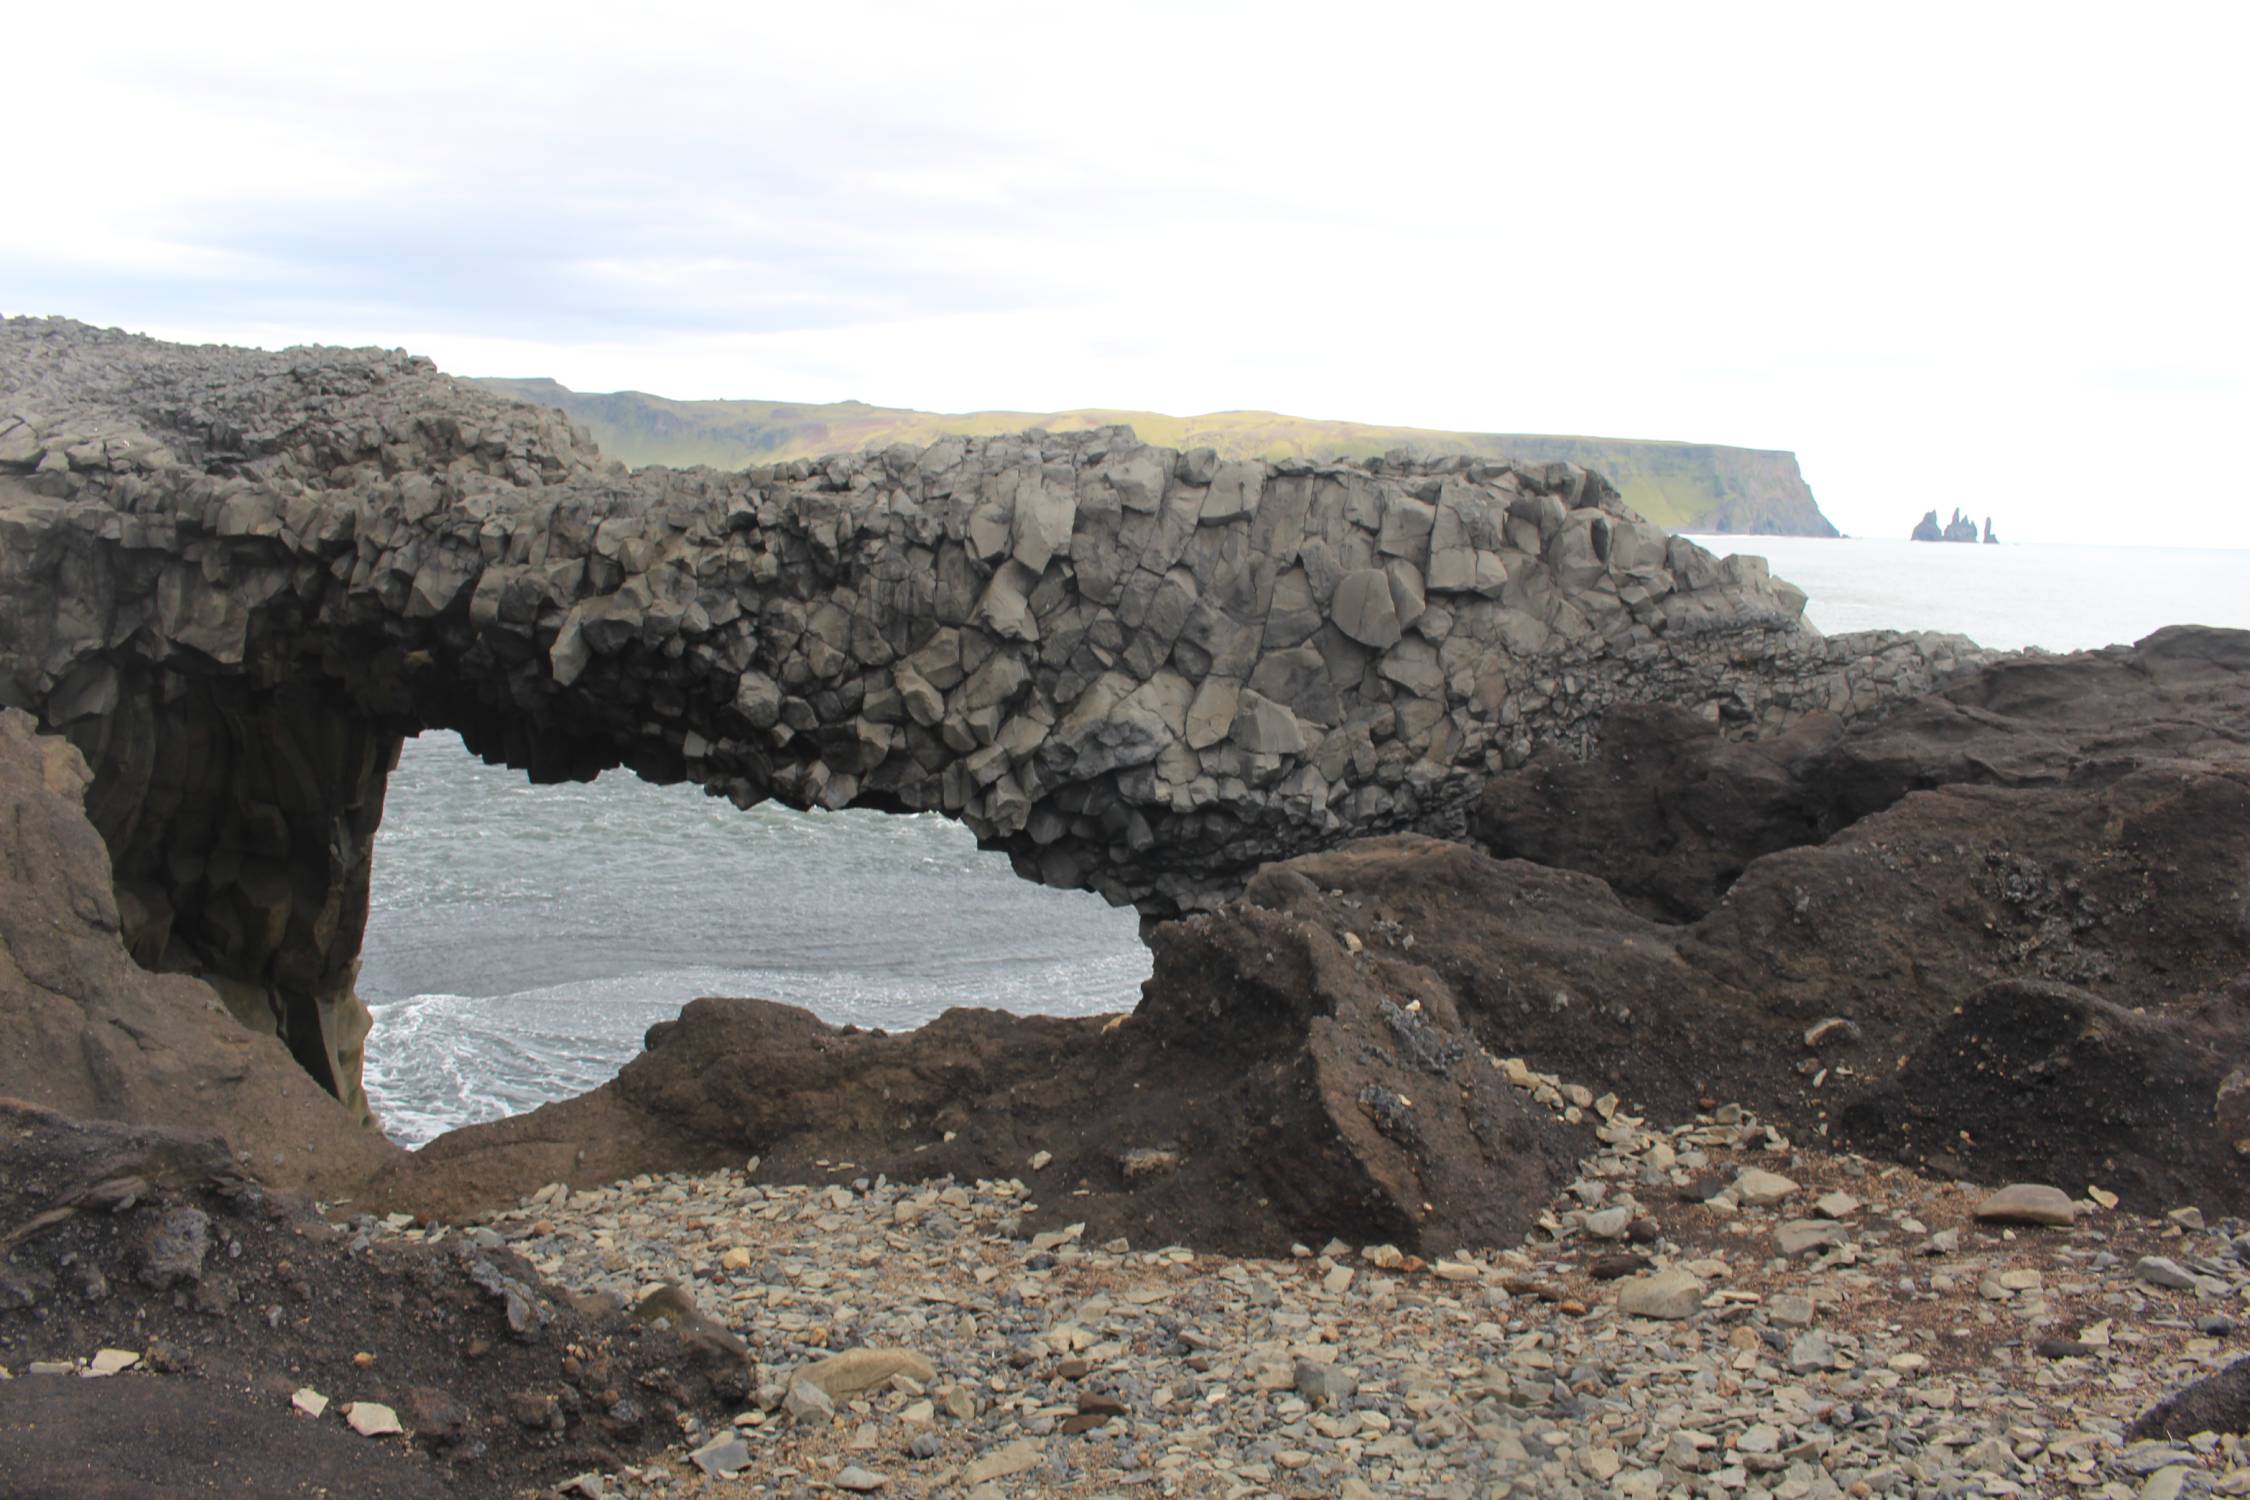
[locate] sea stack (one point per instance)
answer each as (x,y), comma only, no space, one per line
(1959,529)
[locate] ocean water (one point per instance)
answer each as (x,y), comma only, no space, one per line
(522,939)
(2059,598)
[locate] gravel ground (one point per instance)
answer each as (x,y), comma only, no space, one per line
(1819,1325)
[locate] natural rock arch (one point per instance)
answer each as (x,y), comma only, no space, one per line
(236,579)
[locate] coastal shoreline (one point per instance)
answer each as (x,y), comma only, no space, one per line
(1475,823)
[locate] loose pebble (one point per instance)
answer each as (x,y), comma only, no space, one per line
(372,1419)
(1907,1336)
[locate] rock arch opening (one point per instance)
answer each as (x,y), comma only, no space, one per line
(521,939)
(239,580)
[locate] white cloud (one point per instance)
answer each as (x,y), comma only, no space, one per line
(1979,255)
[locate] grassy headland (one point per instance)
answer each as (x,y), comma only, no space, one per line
(1685,486)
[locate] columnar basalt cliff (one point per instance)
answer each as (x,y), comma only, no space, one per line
(1999,932)
(236,579)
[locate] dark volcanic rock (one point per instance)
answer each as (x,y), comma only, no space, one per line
(2086,824)
(1548,965)
(1669,811)
(2216,1403)
(235,579)
(2130,890)
(173,1253)
(2051,1083)
(1273,1085)
(123,1439)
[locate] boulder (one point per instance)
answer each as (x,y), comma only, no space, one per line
(1808,1236)
(1758,1188)
(856,1370)
(1670,1295)
(2028,1203)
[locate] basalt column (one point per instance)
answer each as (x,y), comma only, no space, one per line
(240,824)
(236,578)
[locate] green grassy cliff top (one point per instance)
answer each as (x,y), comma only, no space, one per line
(1684,486)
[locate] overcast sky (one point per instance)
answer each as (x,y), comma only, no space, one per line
(1975,254)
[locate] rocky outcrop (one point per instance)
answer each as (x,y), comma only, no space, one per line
(1827,965)
(1995,926)
(86,1030)
(1959,529)
(1999,934)
(1670,813)
(2219,1402)
(2013,908)
(236,579)
(1276,1083)
(2029,948)
(1999,930)
(2054,1082)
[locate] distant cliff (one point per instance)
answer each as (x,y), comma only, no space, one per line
(1699,487)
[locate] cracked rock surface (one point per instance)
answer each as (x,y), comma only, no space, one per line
(235,579)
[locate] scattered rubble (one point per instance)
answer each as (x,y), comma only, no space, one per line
(1914,1345)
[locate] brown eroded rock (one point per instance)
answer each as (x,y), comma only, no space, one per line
(1304,1058)
(85,1030)
(1670,811)
(2217,1403)
(1298,1088)
(2051,1081)
(2118,876)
